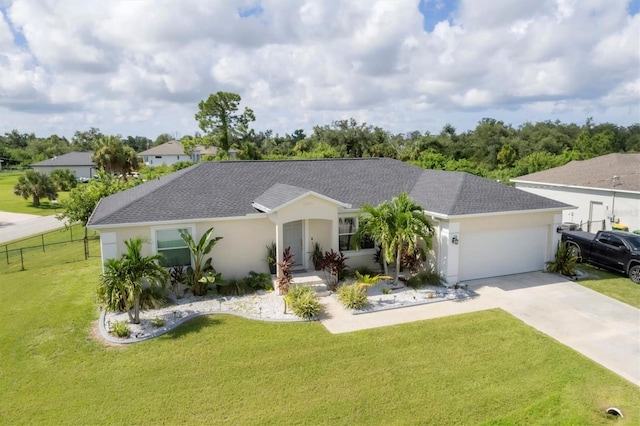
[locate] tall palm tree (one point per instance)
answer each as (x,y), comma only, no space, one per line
(408,223)
(113,156)
(122,281)
(375,222)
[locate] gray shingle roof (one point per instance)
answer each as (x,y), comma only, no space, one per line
(228,188)
(594,173)
(278,195)
(175,148)
(68,160)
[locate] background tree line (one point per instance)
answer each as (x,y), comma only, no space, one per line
(492,149)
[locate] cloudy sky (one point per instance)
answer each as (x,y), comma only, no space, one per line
(138,67)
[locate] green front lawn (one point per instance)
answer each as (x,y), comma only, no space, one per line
(611,284)
(9,202)
(485,367)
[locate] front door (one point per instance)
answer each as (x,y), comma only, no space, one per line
(292,238)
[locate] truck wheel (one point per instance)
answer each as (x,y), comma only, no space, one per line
(576,251)
(634,274)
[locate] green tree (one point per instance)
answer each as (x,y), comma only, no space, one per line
(35,185)
(113,156)
(587,146)
(64,179)
(200,281)
(408,223)
(218,117)
(376,223)
(83,199)
(121,284)
(86,141)
(507,156)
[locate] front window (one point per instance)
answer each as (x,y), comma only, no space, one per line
(347,227)
(170,244)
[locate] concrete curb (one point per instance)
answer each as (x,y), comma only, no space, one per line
(163,330)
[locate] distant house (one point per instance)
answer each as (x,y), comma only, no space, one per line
(604,189)
(171,152)
(79,163)
(483,228)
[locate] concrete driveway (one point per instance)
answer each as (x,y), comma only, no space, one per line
(15,226)
(599,327)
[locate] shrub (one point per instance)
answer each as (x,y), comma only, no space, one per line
(153,297)
(234,287)
(335,264)
(178,279)
(565,260)
(259,281)
(120,329)
(352,297)
(413,260)
(157,322)
(424,278)
(64,179)
(285,278)
(386,291)
(303,302)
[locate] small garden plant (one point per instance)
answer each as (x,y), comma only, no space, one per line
(565,261)
(352,297)
(285,278)
(120,329)
(303,302)
(157,322)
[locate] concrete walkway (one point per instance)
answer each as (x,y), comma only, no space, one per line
(599,327)
(14,226)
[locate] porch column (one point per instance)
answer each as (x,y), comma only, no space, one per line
(279,244)
(335,230)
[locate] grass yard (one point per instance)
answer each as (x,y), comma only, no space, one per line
(611,284)
(481,368)
(9,202)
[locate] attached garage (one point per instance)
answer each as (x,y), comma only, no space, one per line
(502,252)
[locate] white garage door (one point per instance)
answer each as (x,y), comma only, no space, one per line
(502,252)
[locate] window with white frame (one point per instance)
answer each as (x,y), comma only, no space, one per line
(347,227)
(170,244)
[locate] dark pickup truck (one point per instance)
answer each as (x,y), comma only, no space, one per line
(615,250)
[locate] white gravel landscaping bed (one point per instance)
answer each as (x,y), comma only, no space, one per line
(266,306)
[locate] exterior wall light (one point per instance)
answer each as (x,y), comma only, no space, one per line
(454,240)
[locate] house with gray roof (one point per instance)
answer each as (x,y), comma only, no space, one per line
(483,228)
(605,190)
(173,151)
(79,163)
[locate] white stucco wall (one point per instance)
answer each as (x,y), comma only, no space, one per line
(168,160)
(78,171)
(495,245)
(623,207)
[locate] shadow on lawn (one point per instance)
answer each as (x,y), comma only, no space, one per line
(193,326)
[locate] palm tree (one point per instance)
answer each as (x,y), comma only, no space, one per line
(36,185)
(113,156)
(408,223)
(375,223)
(122,281)
(199,250)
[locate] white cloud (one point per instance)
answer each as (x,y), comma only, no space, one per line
(142,66)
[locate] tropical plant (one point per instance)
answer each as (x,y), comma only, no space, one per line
(303,302)
(365,281)
(114,157)
(271,257)
(35,185)
(423,278)
(64,179)
(200,276)
(335,264)
(123,280)
(413,260)
(408,223)
(258,281)
(375,223)
(285,278)
(158,322)
(352,297)
(178,278)
(565,260)
(120,329)
(316,256)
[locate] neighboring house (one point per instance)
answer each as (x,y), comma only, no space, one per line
(79,163)
(171,152)
(483,228)
(605,188)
